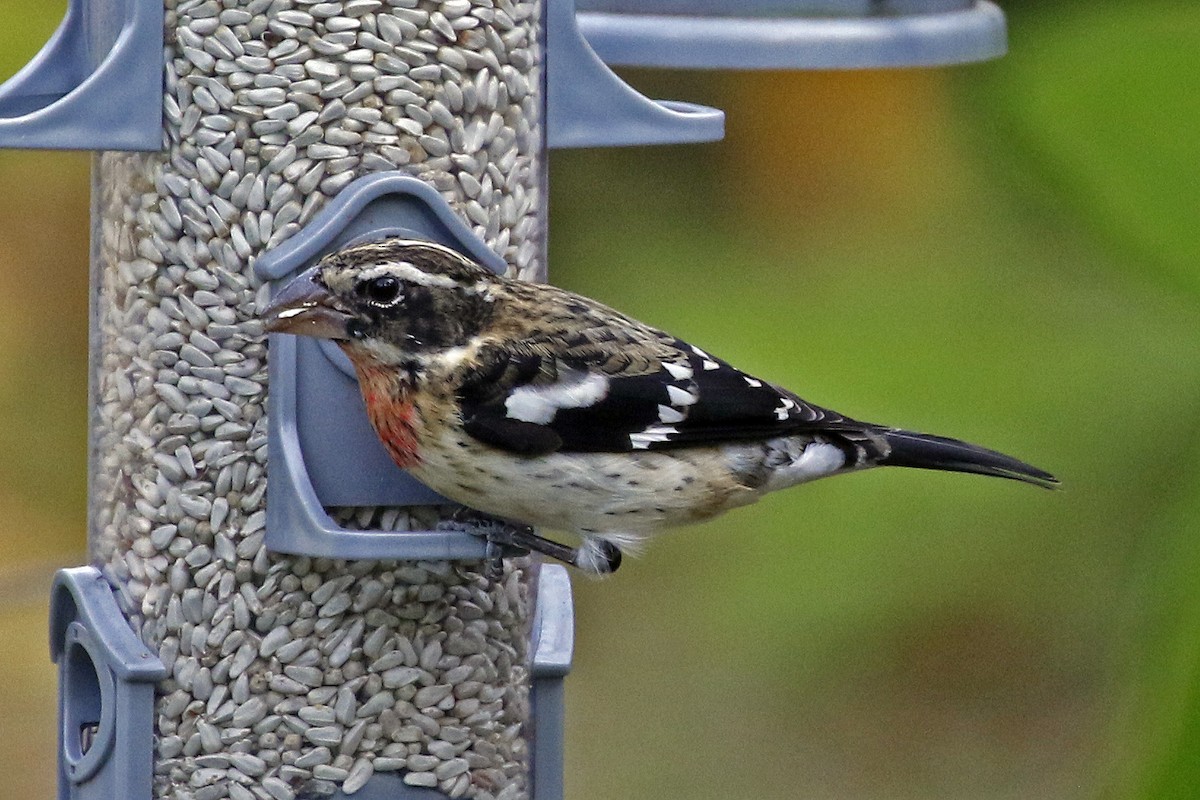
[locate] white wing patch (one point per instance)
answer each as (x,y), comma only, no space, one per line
(681,397)
(539,404)
(653,434)
(706,360)
(669,414)
(680,372)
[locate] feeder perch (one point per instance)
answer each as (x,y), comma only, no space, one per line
(792,34)
(95,85)
(106,680)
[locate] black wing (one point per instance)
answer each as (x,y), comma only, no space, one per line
(533,403)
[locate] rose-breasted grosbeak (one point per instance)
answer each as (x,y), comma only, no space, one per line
(537,405)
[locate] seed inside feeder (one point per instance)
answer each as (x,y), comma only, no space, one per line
(280,666)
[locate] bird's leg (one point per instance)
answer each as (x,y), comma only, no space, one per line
(507,539)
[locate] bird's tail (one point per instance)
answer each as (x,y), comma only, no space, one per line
(925,451)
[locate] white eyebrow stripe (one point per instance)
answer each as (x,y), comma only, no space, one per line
(410,274)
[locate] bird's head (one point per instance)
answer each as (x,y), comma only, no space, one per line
(396,300)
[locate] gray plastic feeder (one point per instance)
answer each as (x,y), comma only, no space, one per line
(587,105)
(792,34)
(106,694)
(106,680)
(95,85)
(554,645)
(553,642)
(323,451)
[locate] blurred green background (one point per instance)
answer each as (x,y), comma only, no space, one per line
(1005,252)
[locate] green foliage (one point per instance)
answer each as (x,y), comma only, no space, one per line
(1098,107)
(1100,100)
(916,635)
(26,27)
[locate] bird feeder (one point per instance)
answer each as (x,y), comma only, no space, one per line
(106,680)
(792,34)
(318,634)
(95,85)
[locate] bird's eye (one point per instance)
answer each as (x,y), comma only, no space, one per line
(382,290)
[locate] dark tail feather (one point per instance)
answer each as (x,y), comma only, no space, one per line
(925,451)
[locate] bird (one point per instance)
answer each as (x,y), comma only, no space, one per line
(545,409)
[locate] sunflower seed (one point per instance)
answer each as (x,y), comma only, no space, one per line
(259,136)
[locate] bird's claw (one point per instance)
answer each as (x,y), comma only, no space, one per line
(493,562)
(498,534)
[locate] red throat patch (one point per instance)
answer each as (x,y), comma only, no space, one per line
(392,413)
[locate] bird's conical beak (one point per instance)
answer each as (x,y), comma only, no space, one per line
(304,307)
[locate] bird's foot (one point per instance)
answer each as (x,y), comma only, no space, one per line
(498,533)
(507,539)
